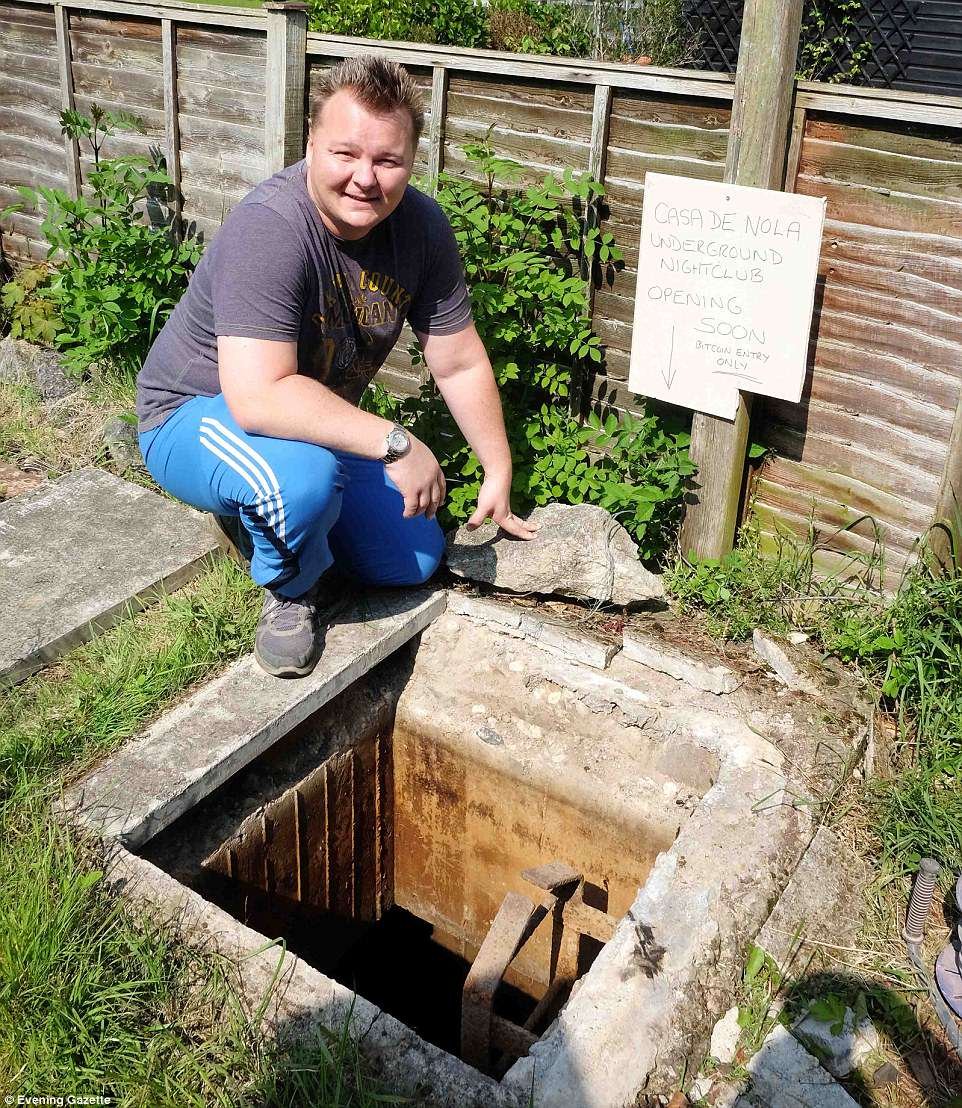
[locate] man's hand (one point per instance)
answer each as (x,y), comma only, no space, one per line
(419,480)
(494,502)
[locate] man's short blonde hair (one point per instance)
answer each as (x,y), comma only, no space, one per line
(382,86)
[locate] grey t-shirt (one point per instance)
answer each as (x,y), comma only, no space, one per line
(274,271)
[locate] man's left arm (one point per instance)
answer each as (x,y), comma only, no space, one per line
(462,371)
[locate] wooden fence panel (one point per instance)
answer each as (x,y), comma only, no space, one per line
(873,431)
(31,145)
(878,432)
(117,62)
(221,104)
(665,135)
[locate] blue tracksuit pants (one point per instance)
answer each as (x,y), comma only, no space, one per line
(304,506)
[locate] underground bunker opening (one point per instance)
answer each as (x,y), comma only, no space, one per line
(386,850)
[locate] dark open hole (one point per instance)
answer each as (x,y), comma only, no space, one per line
(382,854)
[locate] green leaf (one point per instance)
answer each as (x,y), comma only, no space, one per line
(756,960)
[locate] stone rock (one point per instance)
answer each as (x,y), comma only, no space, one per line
(724,1038)
(120,438)
(665,659)
(14,480)
(580,551)
(788,669)
(886,1074)
(841,1052)
(785,1075)
(25,364)
(822,901)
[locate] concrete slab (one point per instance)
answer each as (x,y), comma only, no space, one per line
(823,901)
(552,635)
(75,552)
(785,1075)
(202,742)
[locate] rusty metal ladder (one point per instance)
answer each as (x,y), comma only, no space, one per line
(560,895)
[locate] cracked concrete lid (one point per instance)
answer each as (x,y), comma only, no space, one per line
(75,551)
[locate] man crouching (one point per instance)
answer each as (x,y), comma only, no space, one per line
(247,401)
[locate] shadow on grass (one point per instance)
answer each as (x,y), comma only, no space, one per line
(922,1049)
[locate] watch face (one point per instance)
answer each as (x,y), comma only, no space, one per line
(397,441)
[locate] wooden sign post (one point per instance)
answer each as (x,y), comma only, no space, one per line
(757,147)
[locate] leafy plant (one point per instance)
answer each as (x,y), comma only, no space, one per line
(448,22)
(28,310)
(533,27)
(656,29)
(118,275)
(834,46)
(529,254)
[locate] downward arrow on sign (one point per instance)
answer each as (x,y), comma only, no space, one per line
(668,373)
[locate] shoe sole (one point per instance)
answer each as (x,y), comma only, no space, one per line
(285,669)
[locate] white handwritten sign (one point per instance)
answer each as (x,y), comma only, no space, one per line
(726,288)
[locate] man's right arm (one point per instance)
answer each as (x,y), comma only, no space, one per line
(267,396)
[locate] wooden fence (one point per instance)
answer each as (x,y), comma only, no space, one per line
(879,431)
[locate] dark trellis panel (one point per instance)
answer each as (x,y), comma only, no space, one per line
(913,43)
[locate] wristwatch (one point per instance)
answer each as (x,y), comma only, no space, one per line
(397,443)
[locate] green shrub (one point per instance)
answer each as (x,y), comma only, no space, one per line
(118,276)
(534,27)
(27,310)
(833,46)
(527,255)
(448,22)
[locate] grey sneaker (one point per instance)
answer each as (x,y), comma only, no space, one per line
(287,641)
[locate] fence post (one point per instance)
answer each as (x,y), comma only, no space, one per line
(439,112)
(757,150)
(71,146)
(168,39)
(286,65)
(581,385)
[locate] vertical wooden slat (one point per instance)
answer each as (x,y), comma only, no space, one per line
(328,844)
(757,152)
(947,535)
(168,38)
(799,118)
(286,66)
(597,157)
(439,111)
(71,146)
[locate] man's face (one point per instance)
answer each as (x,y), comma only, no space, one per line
(358,164)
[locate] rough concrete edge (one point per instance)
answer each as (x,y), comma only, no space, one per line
(718,680)
(135,827)
(768,1079)
(782,945)
(653,982)
(295,998)
(551,636)
(110,617)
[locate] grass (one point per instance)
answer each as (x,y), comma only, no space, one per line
(94,1000)
(61,435)
(908,647)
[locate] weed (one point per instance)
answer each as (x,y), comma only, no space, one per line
(118,275)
